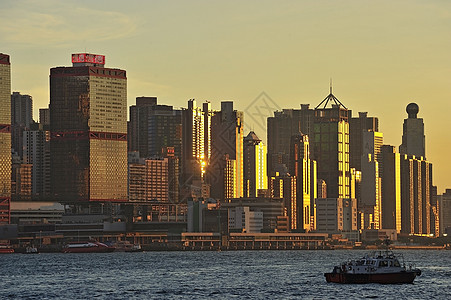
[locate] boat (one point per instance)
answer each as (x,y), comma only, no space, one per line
(87,247)
(381,266)
(31,250)
(6,249)
(126,246)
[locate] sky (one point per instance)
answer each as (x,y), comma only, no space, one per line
(263,55)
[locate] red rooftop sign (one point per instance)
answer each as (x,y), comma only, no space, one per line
(88,58)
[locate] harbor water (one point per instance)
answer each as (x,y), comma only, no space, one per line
(210,275)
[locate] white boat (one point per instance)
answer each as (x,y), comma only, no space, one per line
(378,267)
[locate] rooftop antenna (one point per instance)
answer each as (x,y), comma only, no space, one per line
(330,98)
(331,85)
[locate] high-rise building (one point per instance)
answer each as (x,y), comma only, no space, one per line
(153,127)
(255,172)
(225,170)
(283,186)
(435,212)
(21,119)
(149,180)
(371,180)
(416,190)
(445,212)
(173,174)
(36,151)
(157,179)
(88,123)
(356,128)
(336,215)
(413,139)
(5,138)
(21,109)
(391,188)
(44,116)
(196,138)
(328,131)
(331,146)
(281,128)
(304,170)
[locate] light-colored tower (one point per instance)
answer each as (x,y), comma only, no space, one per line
(413,139)
(88,121)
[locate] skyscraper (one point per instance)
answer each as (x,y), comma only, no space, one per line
(281,127)
(445,212)
(36,152)
(196,138)
(331,146)
(88,122)
(356,128)
(391,188)
(416,177)
(255,172)
(328,131)
(21,119)
(304,170)
(371,179)
(416,190)
(225,171)
(153,127)
(413,139)
(5,138)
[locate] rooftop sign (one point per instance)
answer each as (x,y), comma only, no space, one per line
(88,58)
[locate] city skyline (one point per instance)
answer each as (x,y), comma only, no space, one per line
(381,56)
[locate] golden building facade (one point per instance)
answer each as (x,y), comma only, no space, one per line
(88,133)
(5,126)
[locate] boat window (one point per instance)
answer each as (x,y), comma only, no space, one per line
(397,263)
(383,263)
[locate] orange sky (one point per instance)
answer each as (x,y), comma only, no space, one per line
(381,55)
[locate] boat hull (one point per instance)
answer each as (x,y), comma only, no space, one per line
(384,278)
(89,250)
(88,247)
(6,251)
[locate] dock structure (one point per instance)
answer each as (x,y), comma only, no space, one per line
(253,241)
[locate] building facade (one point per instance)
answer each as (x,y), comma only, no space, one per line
(371,193)
(225,170)
(304,170)
(391,188)
(255,171)
(413,139)
(21,119)
(357,126)
(336,215)
(36,151)
(196,139)
(153,127)
(445,212)
(5,125)
(88,120)
(5,138)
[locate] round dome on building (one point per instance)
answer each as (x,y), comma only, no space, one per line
(412,110)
